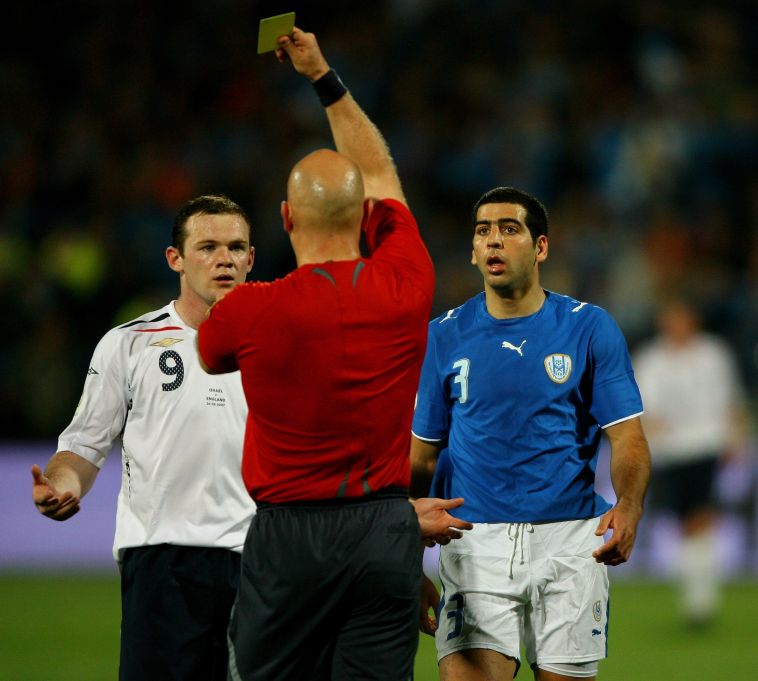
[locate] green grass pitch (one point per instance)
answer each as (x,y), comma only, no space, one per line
(58,629)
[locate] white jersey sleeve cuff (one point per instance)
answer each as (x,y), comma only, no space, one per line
(90,454)
(426,439)
(626,418)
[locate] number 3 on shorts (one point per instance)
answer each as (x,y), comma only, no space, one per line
(456,614)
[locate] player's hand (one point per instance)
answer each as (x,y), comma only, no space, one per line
(623,520)
(437,525)
(47,499)
(302,50)
(430,600)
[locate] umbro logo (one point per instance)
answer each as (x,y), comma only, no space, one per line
(166,342)
(91,371)
(510,346)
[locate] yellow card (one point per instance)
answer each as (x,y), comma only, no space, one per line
(271,28)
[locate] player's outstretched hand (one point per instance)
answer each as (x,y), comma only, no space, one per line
(437,525)
(623,520)
(302,50)
(430,600)
(48,500)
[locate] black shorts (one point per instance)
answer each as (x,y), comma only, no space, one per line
(684,488)
(328,592)
(175,603)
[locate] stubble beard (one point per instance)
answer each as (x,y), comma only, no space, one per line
(508,287)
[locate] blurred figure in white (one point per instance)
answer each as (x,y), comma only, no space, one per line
(695,420)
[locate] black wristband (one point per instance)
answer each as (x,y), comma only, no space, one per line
(329,88)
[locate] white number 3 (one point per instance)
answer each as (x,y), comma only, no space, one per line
(462,378)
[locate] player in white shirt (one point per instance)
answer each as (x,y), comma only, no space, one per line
(694,416)
(183,510)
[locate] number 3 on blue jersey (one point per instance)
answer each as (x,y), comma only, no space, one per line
(462,378)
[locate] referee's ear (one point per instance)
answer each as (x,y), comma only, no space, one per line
(286,217)
(368,208)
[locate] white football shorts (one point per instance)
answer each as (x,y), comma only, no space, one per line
(511,584)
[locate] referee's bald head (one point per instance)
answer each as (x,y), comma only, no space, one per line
(325,192)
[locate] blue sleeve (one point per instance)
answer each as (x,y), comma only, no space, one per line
(431,419)
(615,395)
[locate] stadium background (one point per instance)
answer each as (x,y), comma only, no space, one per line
(636,123)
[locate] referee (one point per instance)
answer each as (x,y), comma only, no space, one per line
(330,357)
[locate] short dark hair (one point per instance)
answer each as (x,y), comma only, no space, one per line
(208,204)
(536,214)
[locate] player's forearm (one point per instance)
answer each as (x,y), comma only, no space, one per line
(630,476)
(359,139)
(423,465)
(421,481)
(630,465)
(70,472)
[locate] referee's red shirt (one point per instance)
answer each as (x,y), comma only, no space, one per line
(330,357)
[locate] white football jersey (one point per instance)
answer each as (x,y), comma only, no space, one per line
(691,393)
(181,432)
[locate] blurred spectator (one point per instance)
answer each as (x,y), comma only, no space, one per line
(695,419)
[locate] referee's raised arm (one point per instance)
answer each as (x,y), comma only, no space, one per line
(354,134)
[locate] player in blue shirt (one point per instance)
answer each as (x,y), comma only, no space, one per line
(516,387)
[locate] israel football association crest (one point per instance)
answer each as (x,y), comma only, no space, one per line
(558,367)
(597,611)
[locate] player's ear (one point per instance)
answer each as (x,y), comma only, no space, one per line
(541,252)
(251,258)
(473,257)
(174,259)
(368,208)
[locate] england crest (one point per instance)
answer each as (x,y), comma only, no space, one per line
(558,367)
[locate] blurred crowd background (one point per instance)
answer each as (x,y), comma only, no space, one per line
(636,124)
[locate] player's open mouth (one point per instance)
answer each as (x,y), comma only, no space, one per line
(495,265)
(224,279)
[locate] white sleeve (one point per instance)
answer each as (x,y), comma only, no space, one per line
(646,372)
(100,416)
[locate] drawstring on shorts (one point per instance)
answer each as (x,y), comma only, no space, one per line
(516,535)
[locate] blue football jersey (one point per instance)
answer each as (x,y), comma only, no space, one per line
(518,406)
